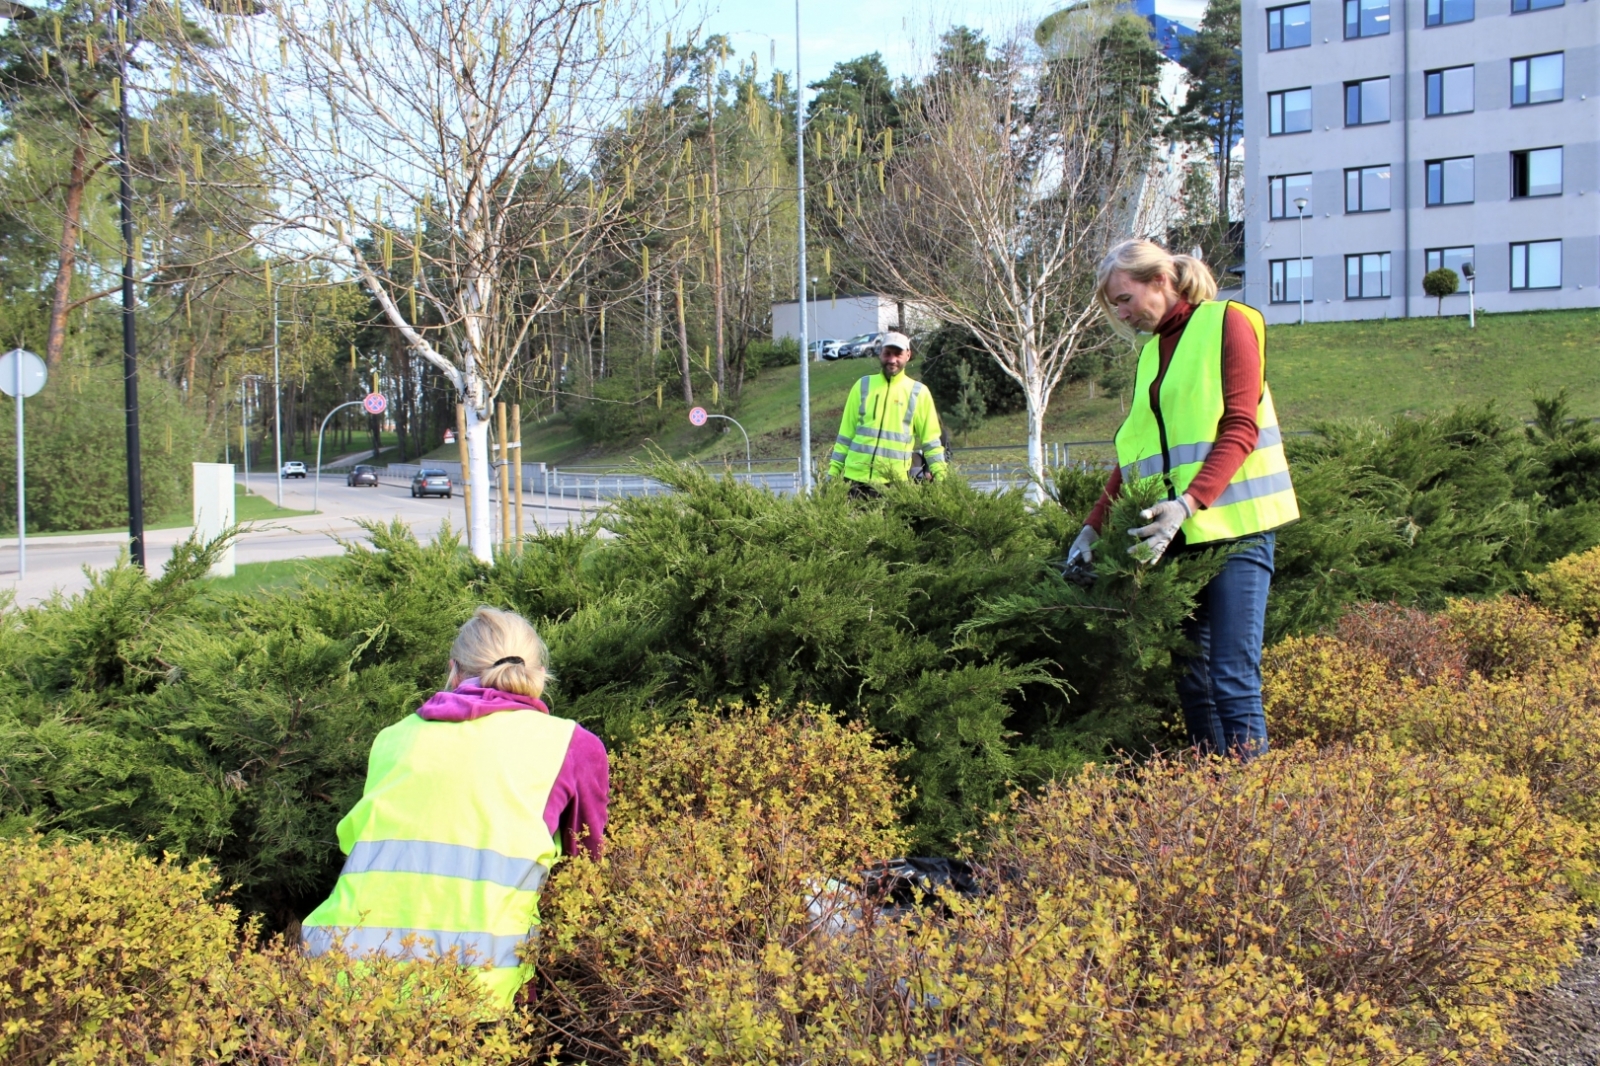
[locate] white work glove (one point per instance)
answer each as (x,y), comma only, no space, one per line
(1165,517)
(1082,551)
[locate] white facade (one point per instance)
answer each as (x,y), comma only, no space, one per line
(835,319)
(1427,133)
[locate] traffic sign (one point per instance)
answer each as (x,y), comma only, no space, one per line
(31,369)
(697,416)
(376,403)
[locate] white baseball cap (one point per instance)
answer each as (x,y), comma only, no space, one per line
(897,340)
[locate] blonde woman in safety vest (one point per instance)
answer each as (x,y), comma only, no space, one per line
(467,805)
(1201,419)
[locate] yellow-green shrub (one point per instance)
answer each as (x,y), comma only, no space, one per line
(97,941)
(1325,690)
(725,831)
(1571,586)
(1509,635)
(110,957)
(1428,887)
(1358,904)
(1543,726)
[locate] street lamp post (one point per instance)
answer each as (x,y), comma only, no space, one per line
(1300,267)
(800,167)
(130,349)
(277,416)
(817,334)
(1471,275)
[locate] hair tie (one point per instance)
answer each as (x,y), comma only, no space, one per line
(509,659)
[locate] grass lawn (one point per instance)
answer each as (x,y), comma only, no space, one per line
(258,577)
(246,508)
(1321,371)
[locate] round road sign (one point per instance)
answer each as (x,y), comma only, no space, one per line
(376,403)
(697,416)
(31,368)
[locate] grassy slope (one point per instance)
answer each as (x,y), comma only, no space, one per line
(1337,370)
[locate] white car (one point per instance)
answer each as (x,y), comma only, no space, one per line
(293,468)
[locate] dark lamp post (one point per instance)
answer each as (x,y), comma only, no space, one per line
(1300,267)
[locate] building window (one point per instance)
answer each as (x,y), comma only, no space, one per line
(1366,102)
(1283,191)
(1365,18)
(1450,259)
(1288,27)
(1366,189)
(1537,79)
(1449,91)
(1290,278)
(1446,12)
(1289,111)
(1536,172)
(1450,181)
(1366,276)
(1536,265)
(1519,6)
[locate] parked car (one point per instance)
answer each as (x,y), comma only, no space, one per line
(431,483)
(362,475)
(825,349)
(860,347)
(293,468)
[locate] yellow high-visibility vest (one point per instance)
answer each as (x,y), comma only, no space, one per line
(448,847)
(1173,437)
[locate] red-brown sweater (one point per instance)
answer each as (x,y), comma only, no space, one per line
(1241,396)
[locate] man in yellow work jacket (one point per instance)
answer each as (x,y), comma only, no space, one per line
(887,418)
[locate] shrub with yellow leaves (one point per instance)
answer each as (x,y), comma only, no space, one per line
(1571,587)
(1325,690)
(1413,892)
(110,957)
(1509,635)
(729,835)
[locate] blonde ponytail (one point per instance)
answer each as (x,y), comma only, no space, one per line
(1142,261)
(502,650)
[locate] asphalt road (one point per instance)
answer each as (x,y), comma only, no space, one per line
(57,563)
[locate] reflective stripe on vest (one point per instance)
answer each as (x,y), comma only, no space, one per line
(444,860)
(448,844)
(468,949)
(1260,496)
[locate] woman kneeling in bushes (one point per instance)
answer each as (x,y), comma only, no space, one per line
(467,805)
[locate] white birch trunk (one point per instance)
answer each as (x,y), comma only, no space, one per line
(1034,393)
(479,531)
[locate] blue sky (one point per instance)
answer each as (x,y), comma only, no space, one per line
(835,30)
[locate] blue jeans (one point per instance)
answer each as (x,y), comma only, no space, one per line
(1220,688)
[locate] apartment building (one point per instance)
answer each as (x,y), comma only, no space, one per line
(1387,138)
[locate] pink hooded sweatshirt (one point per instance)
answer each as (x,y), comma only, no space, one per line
(576,811)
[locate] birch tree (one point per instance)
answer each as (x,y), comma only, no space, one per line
(445,153)
(1012,180)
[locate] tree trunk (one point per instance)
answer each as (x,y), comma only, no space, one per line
(716,239)
(478,461)
(1034,393)
(77,179)
(683,347)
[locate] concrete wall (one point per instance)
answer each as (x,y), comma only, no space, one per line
(1489,133)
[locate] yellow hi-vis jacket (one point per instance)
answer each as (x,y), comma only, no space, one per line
(1173,437)
(448,845)
(884,422)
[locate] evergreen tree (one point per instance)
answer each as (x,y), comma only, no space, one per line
(1212,114)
